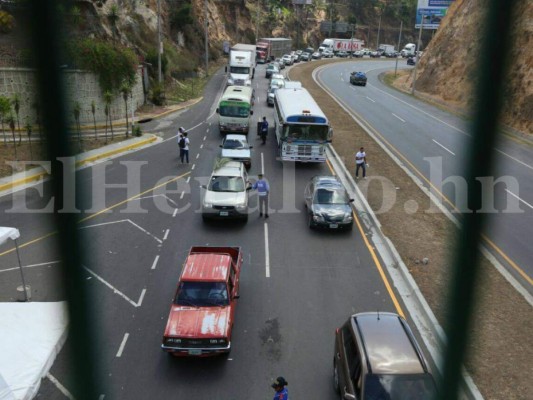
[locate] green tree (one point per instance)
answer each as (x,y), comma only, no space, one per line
(15,100)
(126,91)
(28,132)
(93,111)
(11,122)
(76,110)
(5,108)
(108,99)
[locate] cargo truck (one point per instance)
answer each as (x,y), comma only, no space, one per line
(241,65)
(269,49)
(336,45)
(409,50)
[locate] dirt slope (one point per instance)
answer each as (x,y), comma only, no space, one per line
(500,350)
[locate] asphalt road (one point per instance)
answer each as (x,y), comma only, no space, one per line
(434,145)
(133,254)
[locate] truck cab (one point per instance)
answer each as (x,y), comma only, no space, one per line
(202,313)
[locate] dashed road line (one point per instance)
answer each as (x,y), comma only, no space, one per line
(519,199)
(155,262)
(141,298)
(398,117)
(373,101)
(192,168)
(267,253)
(114,289)
(175,213)
(202,146)
(61,388)
(197,155)
(123,344)
(182,194)
(515,159)
(262,164)
(448,150)
(205,137)
(166,234)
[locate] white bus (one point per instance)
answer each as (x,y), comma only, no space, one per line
(302,129)
(235,108)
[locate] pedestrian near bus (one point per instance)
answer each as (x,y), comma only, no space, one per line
(184,148)
(360,162)
(264,130)
(263,191)
(281,391)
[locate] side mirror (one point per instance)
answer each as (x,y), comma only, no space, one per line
(203,186)
(218,111)
(248,188)
(250,147)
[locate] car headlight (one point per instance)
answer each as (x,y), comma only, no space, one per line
(230,81)
(318,218)
(240,206)
(207,205)
(348,218)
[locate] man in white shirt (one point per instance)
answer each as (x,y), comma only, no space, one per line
(360,162)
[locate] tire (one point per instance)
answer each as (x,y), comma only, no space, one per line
(336,385)
(310,221)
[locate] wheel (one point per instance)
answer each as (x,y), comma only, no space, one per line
(336,384)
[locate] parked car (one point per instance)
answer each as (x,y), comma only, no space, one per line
(271,95)
(287,59)
(342,54)
(377,357)
(411,61)
(358,78)
(271,69)
(236,147)
(327,203)
(358,53)
(327,54)
(279,63)
(202,313)
(305,56)
(226,194)
(316,55)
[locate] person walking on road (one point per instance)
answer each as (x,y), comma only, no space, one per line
(181,144)
(184,147)
(264,130)
(281,391)
(263,191)
(360,162)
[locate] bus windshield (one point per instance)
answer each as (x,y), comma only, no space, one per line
(239,70)
(305,132)
(236,110)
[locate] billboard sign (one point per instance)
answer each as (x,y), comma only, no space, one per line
(304,2)
(433,11)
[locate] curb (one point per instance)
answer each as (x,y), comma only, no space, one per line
(80,161)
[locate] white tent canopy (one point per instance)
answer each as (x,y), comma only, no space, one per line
(8,233)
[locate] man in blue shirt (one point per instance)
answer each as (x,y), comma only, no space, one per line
(281,391)
(264,130)
(263,190)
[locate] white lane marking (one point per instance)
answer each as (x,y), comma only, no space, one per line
(30,266)
(515,196)
(398,117)
(115,290)
(124,220)
(202,146)
(154,196)
(194,165)
(448,150)
(373,101)
(182,194)
(205,137)
(141,297)
(262,164)
(207,130)
(123,344)
(188,179)
(175,213)
(61,388)
(197,155)
(155,262)
(267,254)
(166,234)
(515,159)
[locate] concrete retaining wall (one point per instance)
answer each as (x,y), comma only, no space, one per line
(81,86)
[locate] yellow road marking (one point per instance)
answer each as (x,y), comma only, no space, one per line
(98,213)
(376,259)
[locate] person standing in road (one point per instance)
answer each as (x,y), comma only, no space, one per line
(263,191)
(360,162)
(264,130)
(281,391)
(181,144)
(184,148)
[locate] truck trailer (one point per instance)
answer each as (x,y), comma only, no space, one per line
(336,45)
(269,49)
(241,65)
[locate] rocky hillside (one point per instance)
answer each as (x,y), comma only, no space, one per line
(447,69)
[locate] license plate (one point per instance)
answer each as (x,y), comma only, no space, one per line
(195,352)
(224,213)
(333,226)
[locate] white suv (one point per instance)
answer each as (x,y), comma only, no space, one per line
(226,194)
(287,59)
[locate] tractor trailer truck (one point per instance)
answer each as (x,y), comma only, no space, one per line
(269,49)
(241,65)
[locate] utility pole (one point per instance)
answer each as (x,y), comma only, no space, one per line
(351,41)
(379,27)
(416,53)
(257,22)
(206,43)
(399,42)
(159,47)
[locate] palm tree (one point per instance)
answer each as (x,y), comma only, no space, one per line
(16,106)
(126,90)
(28,132)
(76,111)
(93,110)
(108,99)
(106,111)
(5,107)
(11,121)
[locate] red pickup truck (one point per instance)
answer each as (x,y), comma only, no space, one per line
(203,310)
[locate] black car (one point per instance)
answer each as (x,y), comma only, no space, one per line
(328,204)
(358,78)
(411,61)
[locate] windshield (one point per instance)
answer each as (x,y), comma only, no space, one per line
(235,144)
(330,196)
(305,132)
(226,184)
(236,110)
(401,387)
(201,294)
(239,70)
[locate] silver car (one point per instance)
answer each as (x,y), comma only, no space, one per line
(236,147)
